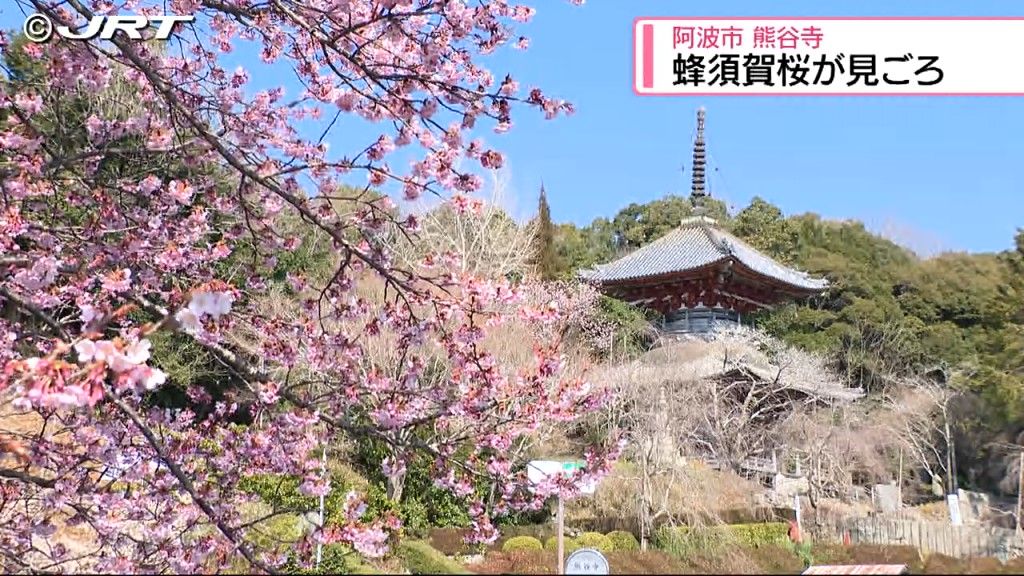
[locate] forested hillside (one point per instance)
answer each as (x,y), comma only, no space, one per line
(957,317)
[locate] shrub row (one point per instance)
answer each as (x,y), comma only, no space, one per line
(683,539)
(617,540)
(420,558)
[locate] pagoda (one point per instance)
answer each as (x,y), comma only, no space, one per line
(699,276)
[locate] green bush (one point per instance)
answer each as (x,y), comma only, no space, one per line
(632,330)
(413,513)
(754,535)
(683,540)
(570,544)
(338,559)
(596,540)
(420,558)
(624,541)
(525,518)
(335,559)
(281,492)
(522,543)
(423,505)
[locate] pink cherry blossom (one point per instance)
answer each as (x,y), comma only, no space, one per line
(214,304)
(181,191)
(88,313)
(150,184)
(188,320)
(162,213)
(117,281)
(94,125)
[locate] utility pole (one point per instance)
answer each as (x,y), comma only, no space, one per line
(899,483)
(323,474)
(796,503)
(561,535)
(1020,491)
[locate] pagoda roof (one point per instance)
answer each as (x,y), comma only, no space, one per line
(697,243)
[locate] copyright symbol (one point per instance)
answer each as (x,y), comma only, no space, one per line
(38,28)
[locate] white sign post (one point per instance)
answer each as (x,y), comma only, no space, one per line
(796,507)
(561,534)
(953,501)
(587,561)
(537,471)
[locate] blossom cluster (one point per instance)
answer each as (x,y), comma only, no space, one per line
(153,195)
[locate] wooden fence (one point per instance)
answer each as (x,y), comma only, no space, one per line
(928,537)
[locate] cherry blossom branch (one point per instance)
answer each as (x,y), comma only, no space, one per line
(24,477)
(155,224)
(160,84)
(186,484)
(35,311)
(249,373)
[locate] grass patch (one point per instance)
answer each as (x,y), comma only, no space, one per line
(449,541)
(931,564)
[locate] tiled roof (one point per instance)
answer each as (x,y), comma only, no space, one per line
(696,243)
(859,569)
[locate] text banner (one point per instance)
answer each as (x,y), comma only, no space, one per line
(828,56)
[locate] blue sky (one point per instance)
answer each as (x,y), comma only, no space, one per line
(933,172)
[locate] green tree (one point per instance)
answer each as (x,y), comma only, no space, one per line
(581,248)
(764,227)
(546,256)
(640,224)
(635,225)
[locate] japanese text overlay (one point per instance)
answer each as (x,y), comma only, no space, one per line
(828,56)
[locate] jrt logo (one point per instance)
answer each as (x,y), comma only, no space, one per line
(39,27)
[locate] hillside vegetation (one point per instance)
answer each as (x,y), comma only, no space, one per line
(956,317)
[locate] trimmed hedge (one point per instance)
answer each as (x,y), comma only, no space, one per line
(596,540)
(570,544)
(624,541)
(420,558)
(522,543)
(683,539)
(754,535)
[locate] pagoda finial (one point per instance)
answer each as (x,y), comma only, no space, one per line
(699,189)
